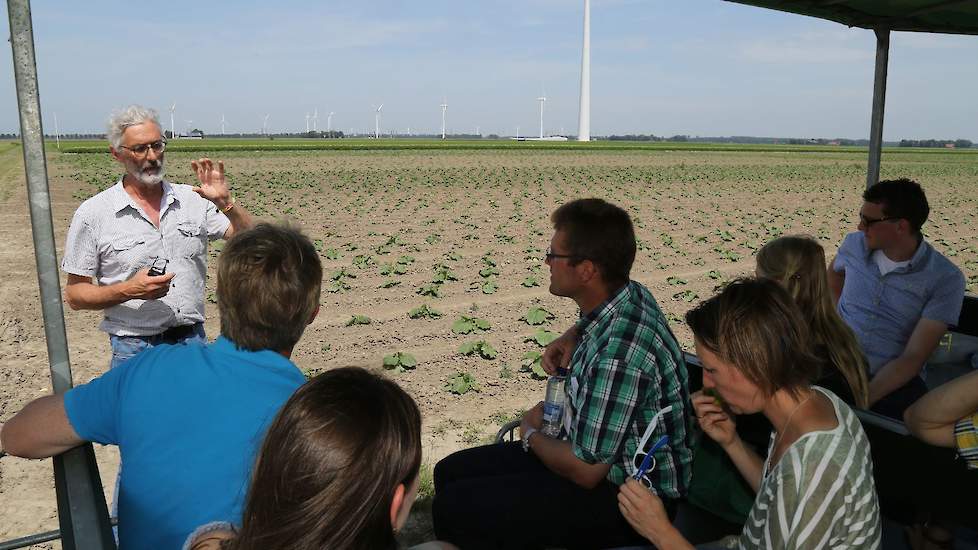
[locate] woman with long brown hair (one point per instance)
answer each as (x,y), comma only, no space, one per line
(798,264)
(338,469)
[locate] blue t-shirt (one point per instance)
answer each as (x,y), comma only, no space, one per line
(883,310)
(188,420)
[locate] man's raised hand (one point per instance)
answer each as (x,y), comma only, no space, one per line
(213,186)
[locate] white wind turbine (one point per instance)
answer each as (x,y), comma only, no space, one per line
(307,123)
(542,99)
(57,131)
(264,125)
(584,116)
(329,121)
(444,108)
(173,108)
(377,121)
(222,123)
(315,120)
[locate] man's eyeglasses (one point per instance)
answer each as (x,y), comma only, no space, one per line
(143,148)
(645,461)
(870,221)
(551,256)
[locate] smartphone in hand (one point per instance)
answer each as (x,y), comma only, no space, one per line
(158,267)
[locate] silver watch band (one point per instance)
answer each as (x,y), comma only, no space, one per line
(526,439)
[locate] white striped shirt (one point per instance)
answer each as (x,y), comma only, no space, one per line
(820,494)
(111,238)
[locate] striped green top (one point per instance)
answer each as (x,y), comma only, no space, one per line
(820,494)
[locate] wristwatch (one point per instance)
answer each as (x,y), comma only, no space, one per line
(526,438)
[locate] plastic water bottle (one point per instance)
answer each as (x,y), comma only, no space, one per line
(553,406)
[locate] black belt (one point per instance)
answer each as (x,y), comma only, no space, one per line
(173,335)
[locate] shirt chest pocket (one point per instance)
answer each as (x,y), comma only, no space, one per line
(190,240)
(128,253)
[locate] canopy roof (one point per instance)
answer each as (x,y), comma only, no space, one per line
(939,16)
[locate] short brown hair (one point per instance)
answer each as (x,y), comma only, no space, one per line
(330,464)
(268,282)
(601,232)
(754,325)
(900,198)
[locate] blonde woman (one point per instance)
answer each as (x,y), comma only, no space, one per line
(798,264)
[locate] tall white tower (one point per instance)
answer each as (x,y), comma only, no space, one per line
(172,108)
(542,99)
(377,122)
(584,117)
(444,108)
(329,121)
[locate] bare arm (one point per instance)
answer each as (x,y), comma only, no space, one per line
(82,293)
(39,430)
(558,353)
(213,187)
(558,456)
(933,416)
(836,281)
(893,375)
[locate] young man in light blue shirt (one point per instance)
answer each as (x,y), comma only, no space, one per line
(188,419)
(897,293)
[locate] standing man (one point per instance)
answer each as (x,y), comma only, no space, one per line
(145,222)
(895,291)
(626,367)
(189,420)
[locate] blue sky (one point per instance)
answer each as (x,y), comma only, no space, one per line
(697,67)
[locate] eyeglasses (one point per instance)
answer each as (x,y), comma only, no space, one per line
(645,461)
(551,256)
(868,222)
(143,148)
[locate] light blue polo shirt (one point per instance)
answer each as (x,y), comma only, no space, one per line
(188,420)
(883,310)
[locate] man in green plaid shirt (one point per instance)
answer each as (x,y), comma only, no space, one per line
(625,366)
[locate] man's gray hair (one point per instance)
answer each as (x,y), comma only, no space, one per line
(129,116)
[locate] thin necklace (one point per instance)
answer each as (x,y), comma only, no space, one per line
(784,428)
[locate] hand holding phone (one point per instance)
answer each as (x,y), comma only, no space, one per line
(158,267)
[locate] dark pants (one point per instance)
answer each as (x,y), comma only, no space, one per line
(498,496)
(895,403)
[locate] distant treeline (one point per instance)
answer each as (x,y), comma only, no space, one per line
(753,140)
(939,143)
(947,143)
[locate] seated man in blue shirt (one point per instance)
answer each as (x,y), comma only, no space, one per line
(896,292)
(188,419)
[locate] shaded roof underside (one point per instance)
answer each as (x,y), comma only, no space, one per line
(939,16)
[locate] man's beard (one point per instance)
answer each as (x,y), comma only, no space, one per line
(146,173)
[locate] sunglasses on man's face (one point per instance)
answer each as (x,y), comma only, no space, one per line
(868,222)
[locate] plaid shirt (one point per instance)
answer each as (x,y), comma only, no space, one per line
(626,367)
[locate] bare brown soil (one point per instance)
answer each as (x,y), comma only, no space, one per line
(699,217)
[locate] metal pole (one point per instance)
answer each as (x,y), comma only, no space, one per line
(81,505)
(879,102)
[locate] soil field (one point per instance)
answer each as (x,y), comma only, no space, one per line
(463,232)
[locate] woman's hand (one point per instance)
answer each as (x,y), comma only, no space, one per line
(644,511)
(715,421)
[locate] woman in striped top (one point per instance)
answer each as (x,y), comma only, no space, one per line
(815,489)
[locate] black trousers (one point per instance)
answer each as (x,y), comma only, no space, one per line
(498,496)
(895,403)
